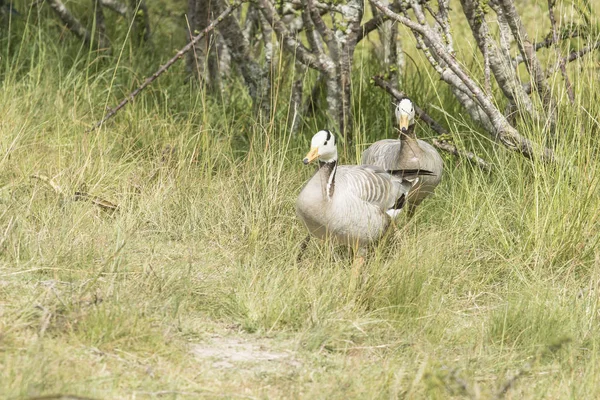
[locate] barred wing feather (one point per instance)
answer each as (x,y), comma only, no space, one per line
(371,184)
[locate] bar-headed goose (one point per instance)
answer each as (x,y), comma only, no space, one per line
(407,152)
(353,204)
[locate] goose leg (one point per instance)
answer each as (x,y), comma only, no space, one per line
(357,278)
(303,246)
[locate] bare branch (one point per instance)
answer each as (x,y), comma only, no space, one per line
(50,182)
(324,31)
(441,144)
(70,21)
(561,60)
(165,67)
(528,52)
(443,8)
(376,21)
(312,37)
(503,131)
(370,26)
(495,59)
(240,53)
(574,55)
(290,42)
(504,33)
(572,32)
(318,5)
(115,6)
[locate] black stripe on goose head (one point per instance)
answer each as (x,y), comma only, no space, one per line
(328,137)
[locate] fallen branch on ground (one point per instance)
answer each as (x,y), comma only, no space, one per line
(79,195)
(441,144)
(104,204)
(165,67)
(49,182)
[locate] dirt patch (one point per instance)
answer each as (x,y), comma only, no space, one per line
(232,352)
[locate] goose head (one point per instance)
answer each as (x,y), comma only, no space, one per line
(405,114)
(323,147)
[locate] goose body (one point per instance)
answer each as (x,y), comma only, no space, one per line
(397,155)
(407,153)
(353,204)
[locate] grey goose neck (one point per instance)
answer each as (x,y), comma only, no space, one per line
(409,134)
(327,171)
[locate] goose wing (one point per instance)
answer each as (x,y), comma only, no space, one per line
(385,154)
(373,185)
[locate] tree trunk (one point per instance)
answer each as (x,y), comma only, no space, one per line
(140,29)
(202,60)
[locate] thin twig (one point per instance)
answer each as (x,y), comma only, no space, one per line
(169,63)
(548,41)
(104,204)
(509,383)
(561,60)
(50,183)
(574,55)
(441,144)
(100,202)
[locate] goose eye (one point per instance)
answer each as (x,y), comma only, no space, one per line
(325,144)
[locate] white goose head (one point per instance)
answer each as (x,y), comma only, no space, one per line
(323,147)
(405,114)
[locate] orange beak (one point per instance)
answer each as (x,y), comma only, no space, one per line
(403,123)
(312,154)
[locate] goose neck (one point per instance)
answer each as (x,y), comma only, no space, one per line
(327,171)
(409,134)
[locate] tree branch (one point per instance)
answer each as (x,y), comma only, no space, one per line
(574,55)
(240,53)
(324,31)
(499,63)
(549,41)
(370,26)
(503,131)
(561,60)
(165,67)
(528,52)
(290,42)
(115,6)
(70,21)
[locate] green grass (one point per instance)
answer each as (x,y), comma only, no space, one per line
(493,285)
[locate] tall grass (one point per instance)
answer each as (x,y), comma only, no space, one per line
(495,278)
